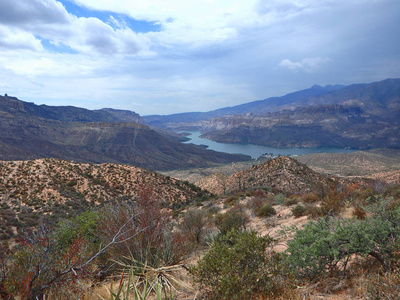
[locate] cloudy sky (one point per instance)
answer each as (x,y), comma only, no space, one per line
(169,56)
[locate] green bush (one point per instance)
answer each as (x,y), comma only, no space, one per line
(299,210)
(234,219)
(266,210)
(279,199)
(237,267)
(327,244)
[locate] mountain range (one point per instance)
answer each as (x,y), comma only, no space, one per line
(359,116)
(255,107)
(29,131)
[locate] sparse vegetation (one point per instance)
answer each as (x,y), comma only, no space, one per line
(266,210)
(299,210)
(235,219)
(351,242)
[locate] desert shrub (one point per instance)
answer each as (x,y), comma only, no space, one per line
(299,210)
(146,231)
(321,189)
(383,286)
(292,200)
(310,198)
(279,199)
(213,209)
(193,224)
(259,194)
(327,244)
(3,271)
(258,200)
(359,212)
(332,204)
(40,262)
(266,210)
(235,219)
(231,200)
(363,194)
(237,266)
(255,204)
(84,225)
(393,190)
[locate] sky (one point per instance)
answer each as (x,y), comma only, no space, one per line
(172,56)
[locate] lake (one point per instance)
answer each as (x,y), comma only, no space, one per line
(256,151)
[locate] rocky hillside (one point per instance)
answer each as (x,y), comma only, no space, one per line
(282,173)
(29,131)
(52,189)
(360,163)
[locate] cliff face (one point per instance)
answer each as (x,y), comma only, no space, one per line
(28,131)
(315,126)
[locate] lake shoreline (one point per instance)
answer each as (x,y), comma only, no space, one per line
(255,151)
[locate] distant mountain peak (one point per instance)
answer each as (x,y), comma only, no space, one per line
(316,86)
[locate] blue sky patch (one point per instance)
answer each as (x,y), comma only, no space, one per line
(59,48)
(105,16)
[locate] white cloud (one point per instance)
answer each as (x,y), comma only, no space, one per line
(28,21)
(306,64)
(32,12)
(207,54)
(91,34)
(195,22)
(12,39)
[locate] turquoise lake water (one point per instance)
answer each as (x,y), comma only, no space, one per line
(256,151)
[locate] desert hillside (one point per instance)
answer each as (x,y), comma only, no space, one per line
(282,173)
(360,163)
(51,189)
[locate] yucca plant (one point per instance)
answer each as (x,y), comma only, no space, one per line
(148,279)
(129,288)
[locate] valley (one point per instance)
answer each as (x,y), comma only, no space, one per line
(88,198)
(29,131)
(360,116)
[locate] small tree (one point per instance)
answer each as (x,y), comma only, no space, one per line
(41,262)
(237,266)
(193,223)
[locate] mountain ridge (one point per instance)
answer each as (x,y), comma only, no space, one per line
(256,107)
(361,116)
(29,131)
